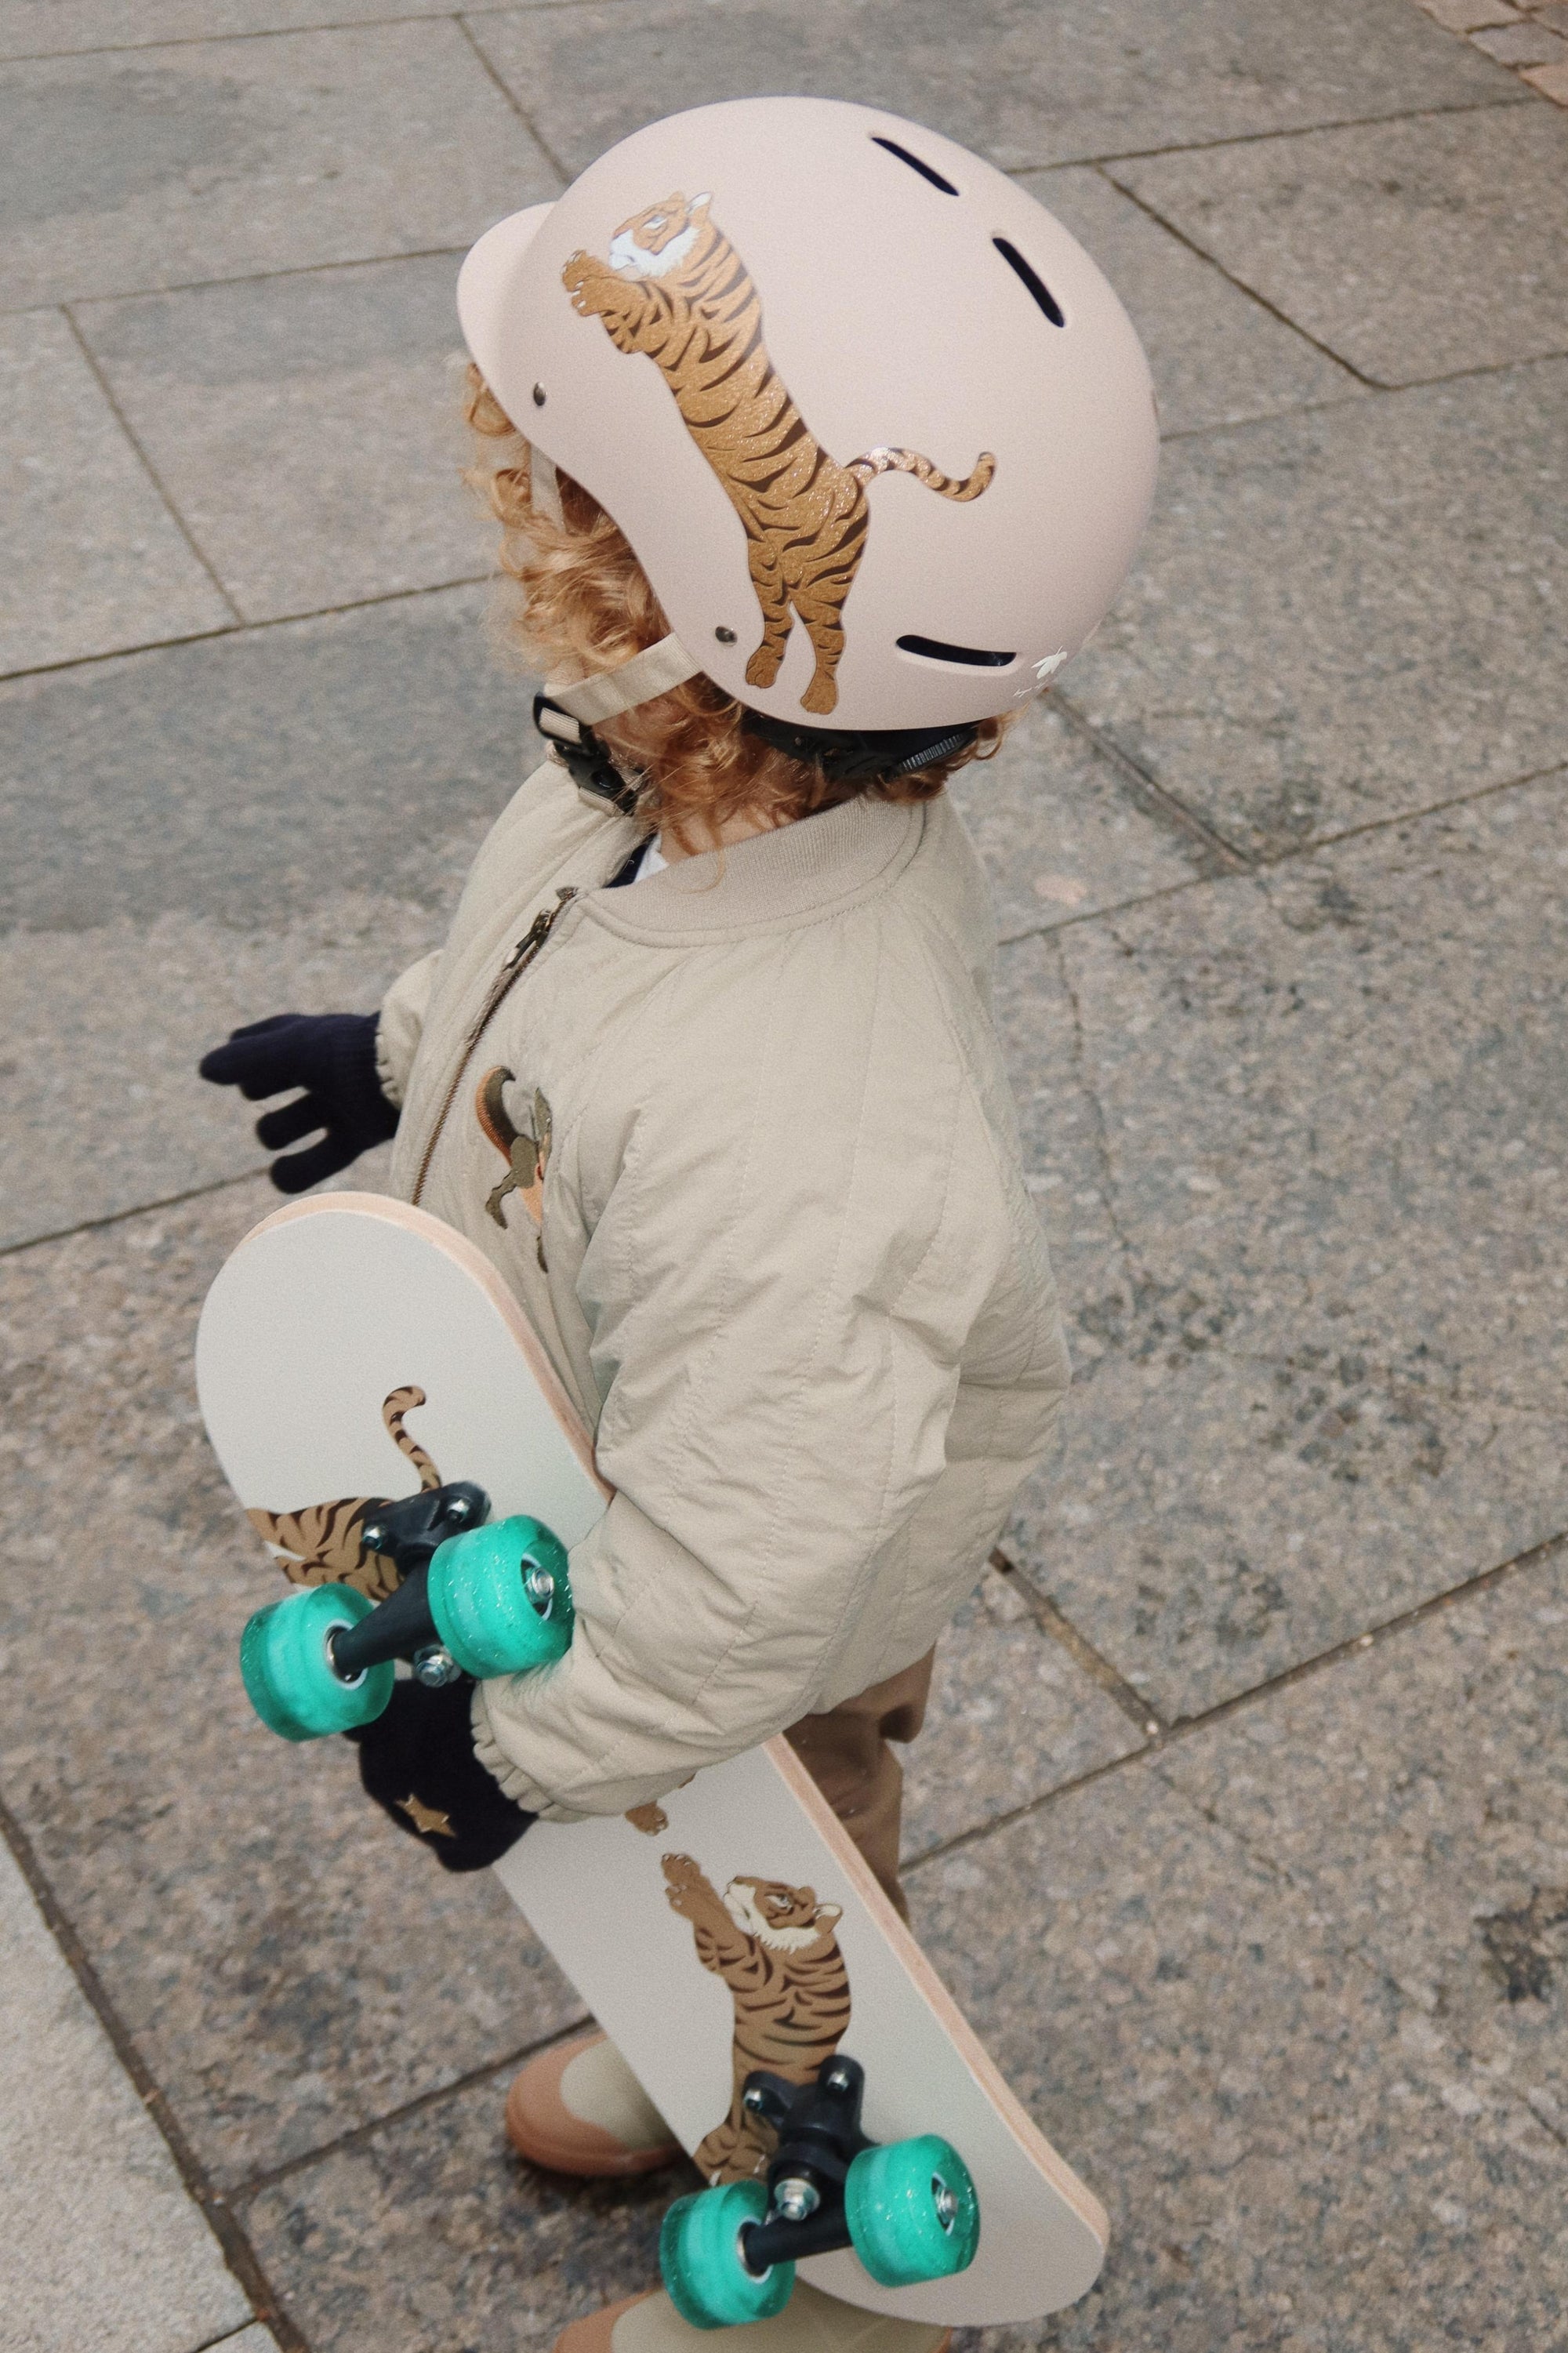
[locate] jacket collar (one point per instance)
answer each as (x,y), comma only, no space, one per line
(776,881)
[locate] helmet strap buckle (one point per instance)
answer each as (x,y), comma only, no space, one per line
(593,771)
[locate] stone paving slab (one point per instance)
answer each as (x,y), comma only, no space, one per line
(136,169)
(1261,2111)
(306,428)
(1340,616)
(94,558)
(1011,1718)
(1059,830)
(54,27)
(1208,1524)
(1331,1098)
(100,1107)
(1062,1128)
(1418,1798)
(1028,82)
(204,834)
(1305,1135)
(1412,250)
(1217,357)
(103,2245)
(267,775)
(430,2233)
(289,1966)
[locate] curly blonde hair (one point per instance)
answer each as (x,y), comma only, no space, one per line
(585,602)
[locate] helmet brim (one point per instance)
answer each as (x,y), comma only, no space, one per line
(487,285)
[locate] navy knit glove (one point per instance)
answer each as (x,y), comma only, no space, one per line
(333,1057)
(417,1762)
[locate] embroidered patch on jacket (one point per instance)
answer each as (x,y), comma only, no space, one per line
(526,1151)
(676,289)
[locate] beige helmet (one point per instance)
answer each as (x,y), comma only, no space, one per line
(880,434)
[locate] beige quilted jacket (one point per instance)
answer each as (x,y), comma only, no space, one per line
(739,1140)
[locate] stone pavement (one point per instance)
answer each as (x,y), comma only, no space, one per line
(1242,1824)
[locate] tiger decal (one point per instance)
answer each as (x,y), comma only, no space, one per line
(525,1152)
(676,290)
(322,1544)
(774,1947)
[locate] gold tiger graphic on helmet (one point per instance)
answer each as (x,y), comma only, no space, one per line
(675,289)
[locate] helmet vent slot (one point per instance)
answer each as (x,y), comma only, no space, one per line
(1036,286)
(926,171)
(971,657)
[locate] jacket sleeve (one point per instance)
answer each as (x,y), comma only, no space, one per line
(778,1290)
(402,1019)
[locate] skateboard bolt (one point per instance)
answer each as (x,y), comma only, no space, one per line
(371,1537)
(755,2101)
(838,2081)
(795,2200)
(434,1666)
(540,1586)
(945,2203)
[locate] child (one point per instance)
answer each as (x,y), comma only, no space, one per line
(707,1065)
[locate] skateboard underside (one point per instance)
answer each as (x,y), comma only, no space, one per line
(733,1918)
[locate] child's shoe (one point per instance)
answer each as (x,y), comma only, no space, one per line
(809,2323)
(579,2109)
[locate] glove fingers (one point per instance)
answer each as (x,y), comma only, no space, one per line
(300,1170)
(221,1066)
(259,1067)
(230,1064)
(290,1122)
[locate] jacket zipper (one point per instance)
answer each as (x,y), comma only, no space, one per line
(511,971)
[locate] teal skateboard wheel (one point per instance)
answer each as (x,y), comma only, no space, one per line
(911,2210)
(287,1669)
(501,1598)
(705,2273)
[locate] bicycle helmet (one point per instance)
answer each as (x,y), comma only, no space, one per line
(877,428)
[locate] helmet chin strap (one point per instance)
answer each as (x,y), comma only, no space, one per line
(545,489)
(564,714)
(644,679)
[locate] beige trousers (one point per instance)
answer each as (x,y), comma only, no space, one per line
(847,1753)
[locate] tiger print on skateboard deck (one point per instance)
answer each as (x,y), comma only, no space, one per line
(733,1924)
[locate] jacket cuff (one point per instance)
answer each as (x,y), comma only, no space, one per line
(385,1076)
(514,1782)
(400,1024)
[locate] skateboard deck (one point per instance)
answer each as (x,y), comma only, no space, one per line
(355,1348)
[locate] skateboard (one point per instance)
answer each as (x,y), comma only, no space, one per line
(402,1445)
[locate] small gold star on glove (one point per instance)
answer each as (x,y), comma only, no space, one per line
(426,1820)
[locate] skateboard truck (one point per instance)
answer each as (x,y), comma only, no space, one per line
(907,2208)
(819,2136)
(410,1533)
(475,1599)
